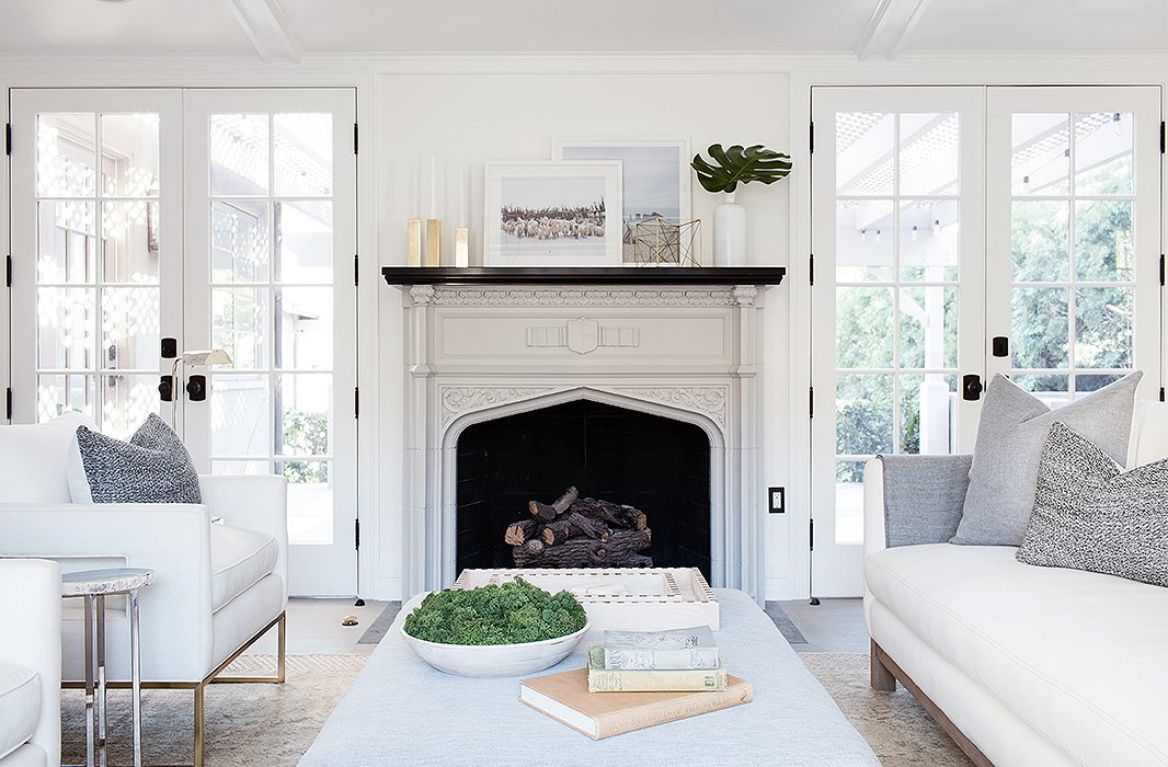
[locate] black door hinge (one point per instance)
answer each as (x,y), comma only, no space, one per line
(1161,137)
(356,401)
(811,137)
(1161,270)
(357,534)
(8,271)
(811,402)
(1161,393)
(811,268)
(811,535)
(355,138)
(8,402)
(8,139)
(356,270)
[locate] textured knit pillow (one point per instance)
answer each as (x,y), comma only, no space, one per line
(1088,515)
(1013,428)
(153,467)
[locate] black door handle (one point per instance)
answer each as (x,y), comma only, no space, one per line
(197,388)
(166,388)
(971,387)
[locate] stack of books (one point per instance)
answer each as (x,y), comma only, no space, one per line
(656,661)
(638,679)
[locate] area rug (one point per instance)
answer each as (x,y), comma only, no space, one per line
(250,725)
(899,730)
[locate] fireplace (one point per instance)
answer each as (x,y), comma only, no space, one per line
(656,464)
(490,364)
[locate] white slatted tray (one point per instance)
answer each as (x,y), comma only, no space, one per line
(648,599)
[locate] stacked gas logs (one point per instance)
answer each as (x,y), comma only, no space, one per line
(580,532)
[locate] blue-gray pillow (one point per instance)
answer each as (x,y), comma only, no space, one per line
(1091,515)
(1013,428)
(153,467)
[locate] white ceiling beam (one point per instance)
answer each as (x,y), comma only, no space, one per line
(266,26)
(876,24)
(890,27)
(906,29)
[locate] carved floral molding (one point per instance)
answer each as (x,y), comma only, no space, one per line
(457,400)
(707,400)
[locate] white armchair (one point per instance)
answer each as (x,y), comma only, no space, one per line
(218,587)
(30,663)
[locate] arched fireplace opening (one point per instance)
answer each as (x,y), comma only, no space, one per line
(656,464)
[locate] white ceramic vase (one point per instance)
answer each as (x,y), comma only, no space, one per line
(729,233)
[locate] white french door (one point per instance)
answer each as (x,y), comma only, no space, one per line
(961,232)
(897,304)
(220,219)
(271,232)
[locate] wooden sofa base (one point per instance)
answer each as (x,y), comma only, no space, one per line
(280,622)
(885,673)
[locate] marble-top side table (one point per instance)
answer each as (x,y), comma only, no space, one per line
(94,586)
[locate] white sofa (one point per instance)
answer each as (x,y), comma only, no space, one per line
(30,663)
(217,588)
(1022,665)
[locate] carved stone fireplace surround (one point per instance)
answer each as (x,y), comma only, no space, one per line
(479,353)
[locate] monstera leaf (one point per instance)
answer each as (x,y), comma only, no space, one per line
(737,165)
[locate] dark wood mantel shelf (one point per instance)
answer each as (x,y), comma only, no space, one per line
(610,275)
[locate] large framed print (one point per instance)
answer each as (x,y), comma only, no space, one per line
(552,214)
(655,177)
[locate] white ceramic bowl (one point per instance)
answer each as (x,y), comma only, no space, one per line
(495,659)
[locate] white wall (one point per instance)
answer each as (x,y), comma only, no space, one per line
(474,108)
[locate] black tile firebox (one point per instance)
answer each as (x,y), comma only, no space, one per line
(659,465)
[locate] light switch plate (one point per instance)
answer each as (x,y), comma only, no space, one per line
(777,500)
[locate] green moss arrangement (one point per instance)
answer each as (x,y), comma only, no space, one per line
(512,613)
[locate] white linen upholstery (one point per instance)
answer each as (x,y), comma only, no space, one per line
(239,560)
(184,638)
(30,663)
(1033,637)
(20,705)
(34,460)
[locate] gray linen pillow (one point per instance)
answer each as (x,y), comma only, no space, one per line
(1013,428)
(1089,515)
(153,467)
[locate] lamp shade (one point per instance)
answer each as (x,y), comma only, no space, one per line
(209,357)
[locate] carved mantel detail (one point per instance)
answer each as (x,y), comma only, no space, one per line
(457,400)
(708,400)
(586,297)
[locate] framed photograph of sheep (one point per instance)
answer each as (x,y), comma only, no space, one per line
(552,214)
(655,177)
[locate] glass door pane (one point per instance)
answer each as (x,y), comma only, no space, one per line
(897,258)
